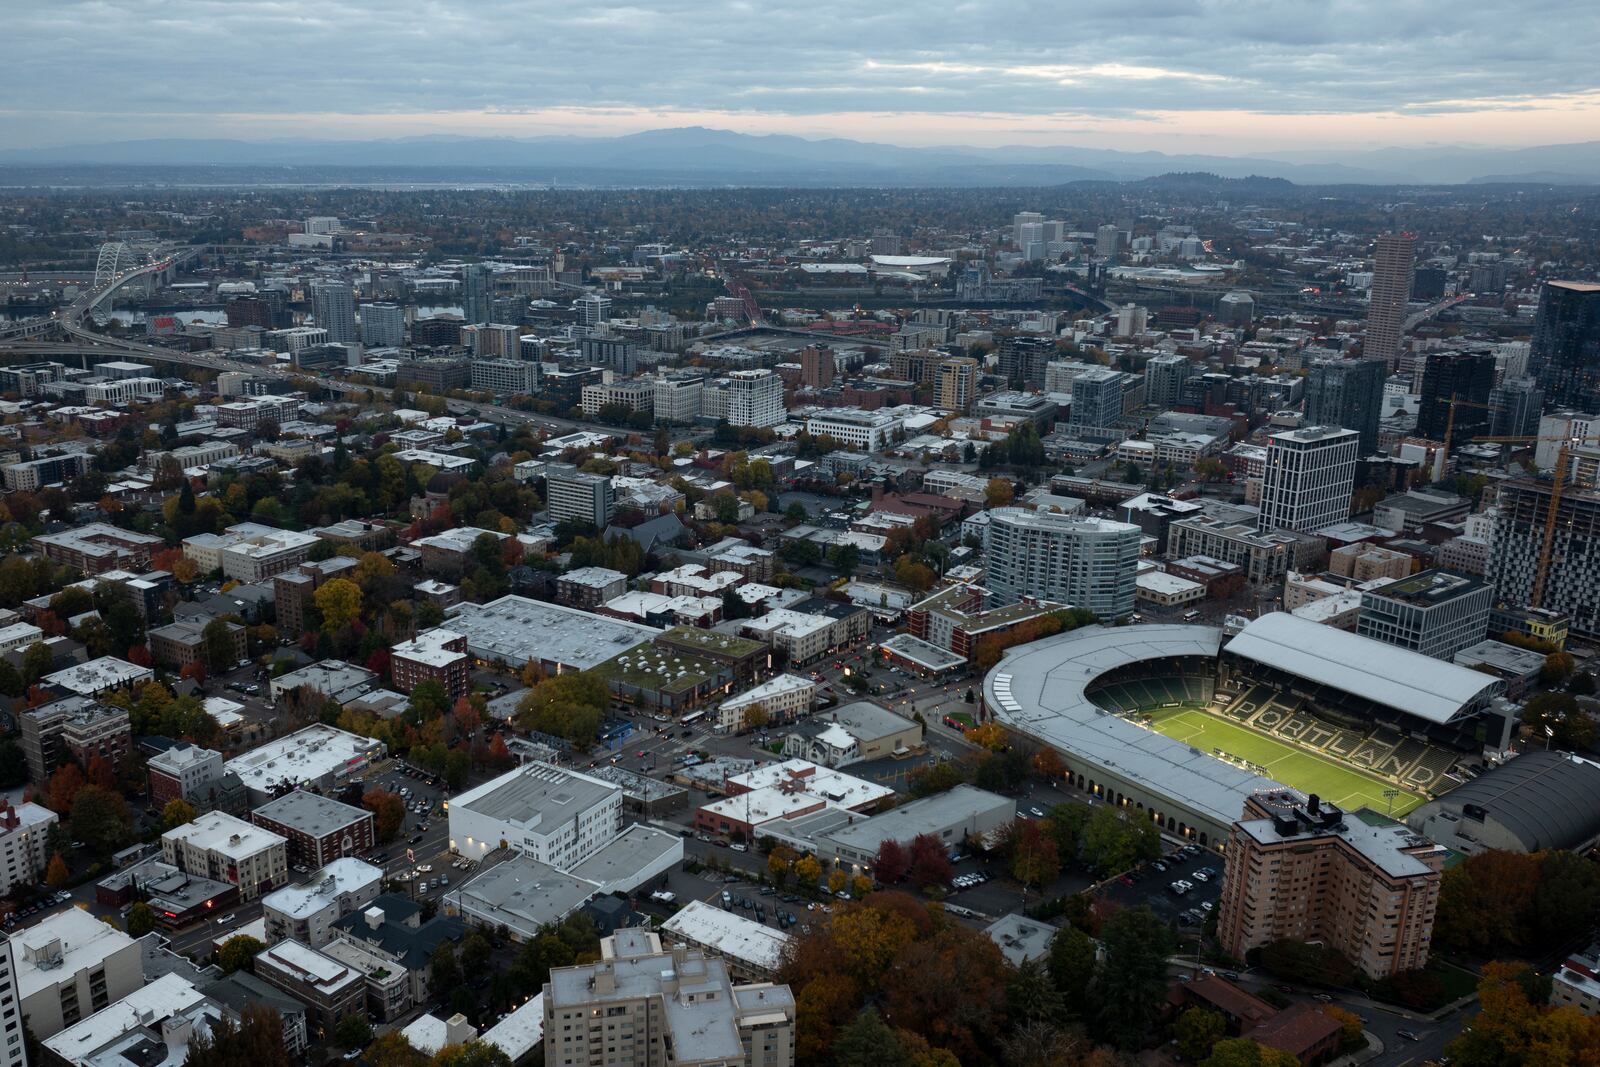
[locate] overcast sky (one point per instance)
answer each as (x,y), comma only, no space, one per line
(1177,75)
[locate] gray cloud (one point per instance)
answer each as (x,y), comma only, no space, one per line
(147,67)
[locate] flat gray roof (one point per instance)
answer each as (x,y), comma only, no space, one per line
(1385,674)
(930,815)
(311,813)
(864,719)
(523,894)
(516,629)
(537,794)
(1038,689)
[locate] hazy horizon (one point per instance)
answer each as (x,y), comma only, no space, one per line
(1176,76)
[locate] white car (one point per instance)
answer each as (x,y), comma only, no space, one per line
(425,868)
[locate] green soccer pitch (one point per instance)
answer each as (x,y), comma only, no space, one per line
(1337,782)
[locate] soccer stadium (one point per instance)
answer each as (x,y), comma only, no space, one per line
(1178,722)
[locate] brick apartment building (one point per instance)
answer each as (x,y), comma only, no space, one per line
(438,654)
(75,727)
(954,618)
(1302,870)
(319,829)
(181,643)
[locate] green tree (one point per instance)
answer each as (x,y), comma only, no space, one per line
(1555,719)
(352,1032)
(217,646)
(475,951)
(339,601)
(11,683)
(37,661)
(570,705)
(1197,1030)
(429,699)
(1072,965)
(237,952)
(1242,1052)
(868,1042)
(444,972)
(100,819)
(1132,984)
(257,1039)
(13,764)
(1112,841)
(1065,823)
(845,559)
(1033,997)
(141,920)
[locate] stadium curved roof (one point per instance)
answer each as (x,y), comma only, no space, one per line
(1039,689)
(1545,799)
(1393,677)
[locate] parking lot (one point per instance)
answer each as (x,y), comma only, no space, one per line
(425,831)
(1152,887)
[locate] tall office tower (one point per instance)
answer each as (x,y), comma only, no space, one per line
(1391,288)
(1309,477)
(383,325)
(1572,578)
(1237,308)
(1566,344)
(1030,241)
(1107,241)
(755,398)
(1514,408)
(1347,393)
(1163,380)
(249,311)
(477,293)
(1132,320)
(322,224)
(1021,219)
(492,340)
(12,1053)
(1082,561)
(816,366)
(1299,868)
(1100,397)
(333,305)
(578,496)
(1022,358)
(593,309)
(958,383)
(1465,376)
(1511,359)
(677,397)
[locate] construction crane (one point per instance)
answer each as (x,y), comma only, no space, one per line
(1563,465)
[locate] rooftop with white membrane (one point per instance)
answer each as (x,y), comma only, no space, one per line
(1384,674)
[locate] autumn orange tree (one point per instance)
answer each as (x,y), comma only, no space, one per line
(938,986)
(1511,1028)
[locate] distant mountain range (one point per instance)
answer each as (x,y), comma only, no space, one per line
(700,156)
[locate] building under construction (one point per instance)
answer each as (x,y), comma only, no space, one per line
(1571,580)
